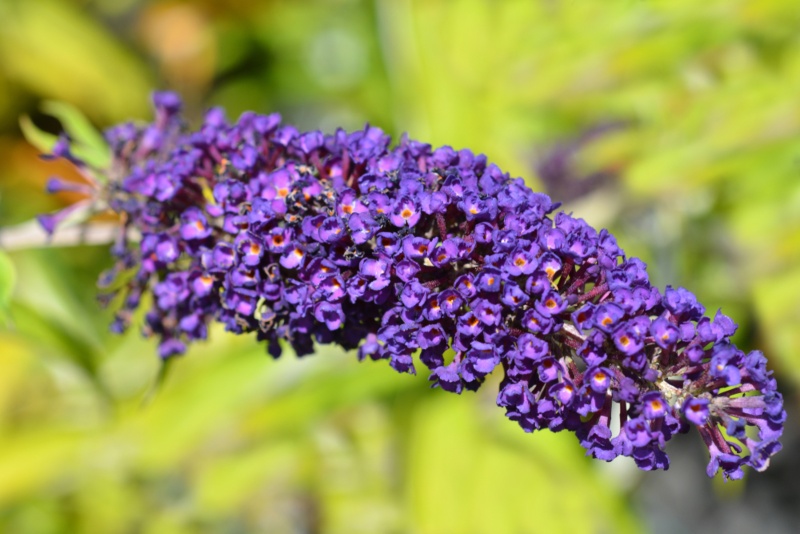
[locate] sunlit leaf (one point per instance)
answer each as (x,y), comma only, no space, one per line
(90,144)
(40,139)
(8,278)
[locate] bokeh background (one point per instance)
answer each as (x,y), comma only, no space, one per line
(676,124)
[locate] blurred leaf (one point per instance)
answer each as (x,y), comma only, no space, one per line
(40,139)
(225,483)
(14,360)
(90,145)
(54,308)
(56,49)
(87,143)
(32,460)
(464,479)
(161,377)
(8,278)
(777,306)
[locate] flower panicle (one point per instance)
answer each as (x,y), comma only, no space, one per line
(425,256)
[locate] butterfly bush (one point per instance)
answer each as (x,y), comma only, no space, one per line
(421,256)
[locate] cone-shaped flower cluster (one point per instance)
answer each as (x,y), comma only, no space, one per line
(437,256)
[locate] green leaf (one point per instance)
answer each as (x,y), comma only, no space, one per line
(158,382)
(59,49)
(38,138)
(90,144)
(8,277)
(776,307)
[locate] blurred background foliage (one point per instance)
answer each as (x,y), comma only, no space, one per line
(675,123)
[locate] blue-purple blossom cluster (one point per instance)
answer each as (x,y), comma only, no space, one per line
(416,255)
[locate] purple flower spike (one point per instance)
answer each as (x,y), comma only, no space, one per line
(306,238)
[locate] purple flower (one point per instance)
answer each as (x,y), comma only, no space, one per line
(450,302)
(520,262)
(489,280)
(598,379)
(550,304)
(362,227)
(250,250)
(405,213)
(469,325)
(627,340)
(607,317)
(664,333)
(654,405)
(475,208)
(465,285)
(433,308)
(431,336)
(696,411)
(307,239)
(415,248)
(487,313)
(329,313)
(413,294)
(377,271)
(582,317)
(513,296)
(194,224)
(292,257)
